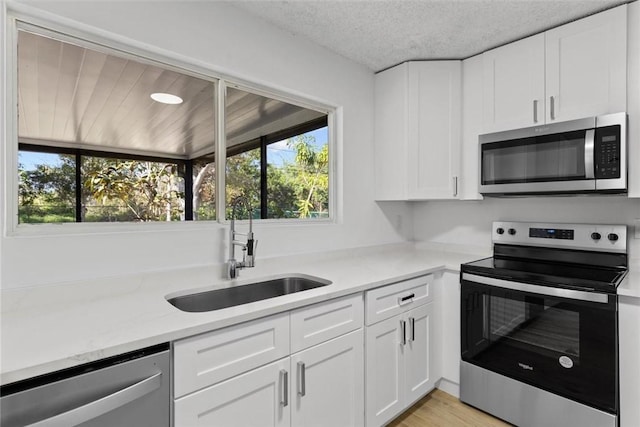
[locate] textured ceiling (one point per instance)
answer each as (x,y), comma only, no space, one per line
(382,33)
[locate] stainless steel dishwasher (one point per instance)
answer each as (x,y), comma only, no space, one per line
(132,389)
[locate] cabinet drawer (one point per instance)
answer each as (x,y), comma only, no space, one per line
(388,301)
(324,321)
(203,360)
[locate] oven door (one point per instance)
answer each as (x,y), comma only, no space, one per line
(560,340)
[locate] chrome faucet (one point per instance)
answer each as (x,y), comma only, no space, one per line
(248,248)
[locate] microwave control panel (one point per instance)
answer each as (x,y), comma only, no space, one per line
(607,152)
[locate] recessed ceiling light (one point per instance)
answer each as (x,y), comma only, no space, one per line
(166,98)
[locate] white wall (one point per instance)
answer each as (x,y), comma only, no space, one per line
(469,222)
(229,41)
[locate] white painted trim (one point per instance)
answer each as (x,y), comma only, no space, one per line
(449,387)
(10,150)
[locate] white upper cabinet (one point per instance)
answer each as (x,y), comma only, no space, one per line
(586,67)
(514,85)
(418,131)
(472,120)
(573,71)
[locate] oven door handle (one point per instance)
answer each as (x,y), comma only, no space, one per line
(536,289)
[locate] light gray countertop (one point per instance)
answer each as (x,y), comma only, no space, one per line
(47,328)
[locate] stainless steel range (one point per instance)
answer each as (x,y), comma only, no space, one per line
(539,324)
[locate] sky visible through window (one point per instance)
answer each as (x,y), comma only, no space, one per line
(279,152)
(28,160)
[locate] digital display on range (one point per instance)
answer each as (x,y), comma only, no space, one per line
(551,233)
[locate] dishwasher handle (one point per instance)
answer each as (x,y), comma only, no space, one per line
(101,406)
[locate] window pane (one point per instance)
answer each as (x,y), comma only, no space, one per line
(292,141)
(204,190)
(82,98)
(298,176)
(47,187)
(243,179)
(131,190)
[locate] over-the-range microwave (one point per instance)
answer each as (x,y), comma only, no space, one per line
(578,156)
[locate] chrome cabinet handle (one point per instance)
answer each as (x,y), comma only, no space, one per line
(101,406)
(552,108)
(302,382)
(412,322)
(284,380)
(535,111)
(403,327)
(406,299)
(455,186)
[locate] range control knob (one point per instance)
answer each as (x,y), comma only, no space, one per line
(512,231)
(612,236)
(500,230)
(596,236)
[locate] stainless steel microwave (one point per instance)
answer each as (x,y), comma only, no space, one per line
(579,156)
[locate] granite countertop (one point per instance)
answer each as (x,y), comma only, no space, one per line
(48,328)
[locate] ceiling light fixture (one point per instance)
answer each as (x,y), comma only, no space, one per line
(166,98)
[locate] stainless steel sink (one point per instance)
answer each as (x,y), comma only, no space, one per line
(243,294)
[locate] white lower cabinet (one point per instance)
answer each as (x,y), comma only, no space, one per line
(327,383)
(419,353)
(400,355)
(237,376)
(255,398)
(384,371)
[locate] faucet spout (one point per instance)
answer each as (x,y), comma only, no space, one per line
(248,247)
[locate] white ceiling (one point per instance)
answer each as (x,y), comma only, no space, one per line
(382,33)
(71,96)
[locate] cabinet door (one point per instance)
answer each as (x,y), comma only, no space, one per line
(471,127)
(419,353)
(390,133)
(328,383)
(256,398)
(384,371)
(586,71)
(514,85)
(434,133)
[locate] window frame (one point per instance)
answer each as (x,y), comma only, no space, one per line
(20,17)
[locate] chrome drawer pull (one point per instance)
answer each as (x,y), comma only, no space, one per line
(284,379)
(412,322)
(406,299)
(302,383)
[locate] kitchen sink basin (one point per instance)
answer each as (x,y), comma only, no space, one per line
(243,294)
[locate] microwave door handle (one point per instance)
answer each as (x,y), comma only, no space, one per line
(589,151)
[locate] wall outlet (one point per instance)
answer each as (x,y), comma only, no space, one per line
(636,225)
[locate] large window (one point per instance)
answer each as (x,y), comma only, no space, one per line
(110,137)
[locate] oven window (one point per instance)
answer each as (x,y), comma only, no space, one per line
(545,158)
(551,329)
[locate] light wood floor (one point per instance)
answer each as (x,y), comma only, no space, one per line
(440,409)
